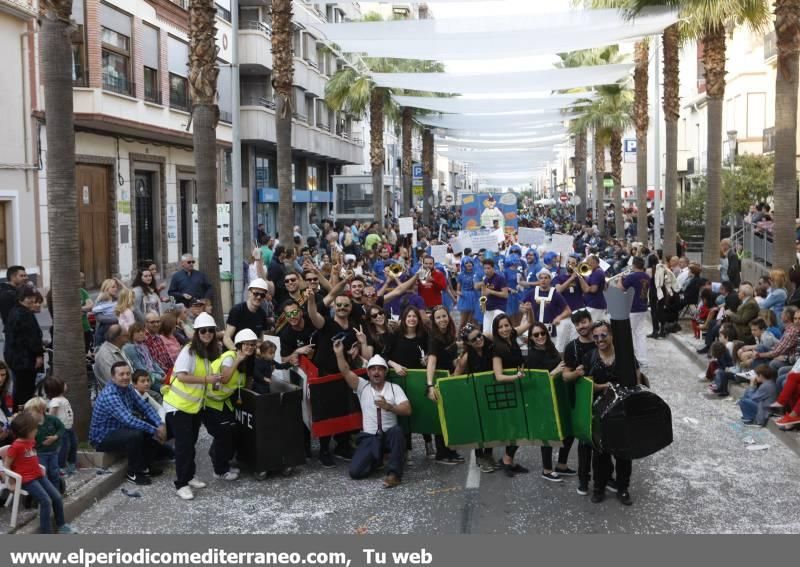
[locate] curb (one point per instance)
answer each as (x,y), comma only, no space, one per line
(789,438)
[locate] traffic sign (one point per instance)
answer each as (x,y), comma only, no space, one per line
(564,197)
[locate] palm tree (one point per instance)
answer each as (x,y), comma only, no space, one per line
(787,29)
(428,168)
(282,79)
(641,120)
(671,40)
(407,159)
(205,115)
(62,209)
(601,138)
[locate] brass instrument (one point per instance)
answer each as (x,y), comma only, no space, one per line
(396,270)
(622,274)
(423,275)
(584,269)
(482,300)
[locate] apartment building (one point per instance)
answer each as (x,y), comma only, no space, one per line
(18,159)
(323,140)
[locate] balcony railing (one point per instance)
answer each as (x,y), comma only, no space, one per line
(152,95)
(770,45)
(178,102)
(119,85)
(258,101)
(182,3)
(256,25)
(323,126)
(768,140)
(225,116)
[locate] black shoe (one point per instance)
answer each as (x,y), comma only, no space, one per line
(153,471)
(598,497)
(326,460)
(625,497)
(566,472)
(703,350)
(508,470)
(611,485)
(456,457)
(139,479)
(344,452)
(447,460)
(654,335)
(519,469)
(583,488)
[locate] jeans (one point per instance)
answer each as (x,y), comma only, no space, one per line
(43,491)
(369,453)
(185,427)
(783,375)
(563,454)
(137,445)
(69,449)
(49,460)
(221,425)
(721,379)
(749,409)
(713,333)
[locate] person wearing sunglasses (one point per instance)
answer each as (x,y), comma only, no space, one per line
(378,333)
(248,314)
(600,364)
(185,399)
(188,283)
(296,337)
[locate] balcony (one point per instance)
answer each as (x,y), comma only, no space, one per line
(308,77)
(119,85)
(255,47)
(768,140)
(770,46)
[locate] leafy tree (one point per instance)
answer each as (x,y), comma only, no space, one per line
(751,182)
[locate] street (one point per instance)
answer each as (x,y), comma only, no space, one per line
(707,481)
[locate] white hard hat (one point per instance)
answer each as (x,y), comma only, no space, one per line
(377,360)
(243,336)
(204,320)
(258,283)
(544,272)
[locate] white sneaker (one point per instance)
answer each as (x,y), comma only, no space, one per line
(236,470)
(196,483)
(185,493)
(230,475)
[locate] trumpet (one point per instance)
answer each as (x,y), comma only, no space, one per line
(396,270)
(622,274)
(584,269)
(482,300)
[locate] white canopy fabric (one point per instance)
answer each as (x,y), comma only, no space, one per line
(486,156)
(516,42)
(519,82)
(493,135)
(491,106)
(461,121)
(501,143)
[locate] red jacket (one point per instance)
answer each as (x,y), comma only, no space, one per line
(431,290)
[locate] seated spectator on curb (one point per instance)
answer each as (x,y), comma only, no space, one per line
(756,400)
(718,358)
(722,374)
(48,437)
(109,353)
(115,427)
(772,322)
(765,341)
(381,403)
(140,357)
(779,355)
(747,311)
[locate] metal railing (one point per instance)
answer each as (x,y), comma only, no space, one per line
(258,101)
(255,25)
(178,102)
(152,95)
(770,45)
(323,126)
(225,116)
(117,85)
(758,244)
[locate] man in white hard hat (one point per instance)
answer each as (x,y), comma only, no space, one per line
(247,314)
(381,403)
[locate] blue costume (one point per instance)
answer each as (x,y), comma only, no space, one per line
(468,300)
(510,273)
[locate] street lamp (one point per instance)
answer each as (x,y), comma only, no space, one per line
(732,163)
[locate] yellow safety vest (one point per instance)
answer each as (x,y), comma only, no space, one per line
(216,399)
(188,398)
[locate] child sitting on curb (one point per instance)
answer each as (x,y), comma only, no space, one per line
(758,397)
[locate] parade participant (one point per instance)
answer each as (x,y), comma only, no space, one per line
(248,314)
(442,352)
(467,304)
(431,283)
(549,307)
(378,333)
(235,367)
(383,262)
(640,282)
(477,357)
(511,273)
(325,361)
(542,355)
(593,287)
(574,353)
(297,336)
(601,366)
(381,402)
(184,400)
(566,283)
(495,290)
(187,283)
(507,354)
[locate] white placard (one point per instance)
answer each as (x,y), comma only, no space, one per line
(439,253)
(172,222)
(499,235)
(603,264)
(414,239)
(562,244)
(487,241)
(406,225)
(456,245)
(532,236)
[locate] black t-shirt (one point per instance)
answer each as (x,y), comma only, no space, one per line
(380,343)
(324,357)
(480,362)
(241,317)
(542,360)
(510,355)
(291,339)
(575,351)
(444,352)
(408,352)
(600,372)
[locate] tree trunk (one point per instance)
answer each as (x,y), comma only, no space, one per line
(600,191)
(282,80)
(427,177)
(376,151)
(580,176)
(62,209)
(714,59)
(642,122)
(671,107)
(787,28)
(205,114)
(616,173)
(408,129)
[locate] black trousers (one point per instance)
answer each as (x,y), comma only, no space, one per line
(604,465)
(24,385)
(138,446)
(563,454)
(185,427)
(221,425)
(584,462)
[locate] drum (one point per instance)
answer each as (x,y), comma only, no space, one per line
(631,422)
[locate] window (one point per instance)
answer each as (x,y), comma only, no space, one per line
(311,182)
(224,9)
(150,55)
(115,37)
(224,93)
(262,172)
(756,114)
(78,40)
(178,65)
(228,167)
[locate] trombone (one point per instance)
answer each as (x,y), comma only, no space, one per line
(584,269)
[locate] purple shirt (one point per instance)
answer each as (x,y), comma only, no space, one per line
(573,295)
(596,300)
(397,305)
(552,309)
(496,283)
(640,282)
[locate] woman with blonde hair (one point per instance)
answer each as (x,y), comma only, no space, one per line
(777,294)
(124,308)
(104,308)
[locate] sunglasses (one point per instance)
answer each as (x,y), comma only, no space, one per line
(290,280)
(539,334)
(342,305)
(206,331)
(260,294)
(600,337)
(376,315)
(312,280)
(155,322)
(293,313)
(190,261)
(477,339)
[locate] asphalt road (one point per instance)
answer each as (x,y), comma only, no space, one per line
(707,481)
